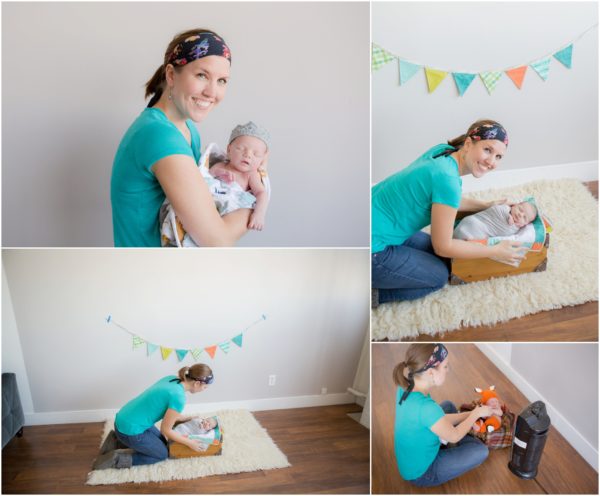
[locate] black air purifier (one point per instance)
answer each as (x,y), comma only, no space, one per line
(531,431)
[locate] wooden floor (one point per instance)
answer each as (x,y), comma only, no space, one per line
(577,323)
(329,453)
(561,471)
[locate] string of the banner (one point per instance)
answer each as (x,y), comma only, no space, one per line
(497,70)
(139,340)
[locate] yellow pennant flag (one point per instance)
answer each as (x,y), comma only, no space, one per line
(165,352)
(434,78)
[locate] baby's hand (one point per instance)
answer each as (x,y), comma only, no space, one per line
(226,176)
(256,222)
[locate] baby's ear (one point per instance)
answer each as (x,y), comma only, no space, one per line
(477,390)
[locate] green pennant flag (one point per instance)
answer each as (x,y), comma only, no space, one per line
(380,57)
(490,79)
(137,342)
(225,346)
(196,352)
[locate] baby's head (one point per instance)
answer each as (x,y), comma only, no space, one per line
(248,147)
(209,423)
(523,213)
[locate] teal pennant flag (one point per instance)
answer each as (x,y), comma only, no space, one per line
(407,70)
(564,56)
(463,81)
(238,339)
(542,67)
(181,354)
(151,348)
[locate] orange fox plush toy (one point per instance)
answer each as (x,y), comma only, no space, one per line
(489,398)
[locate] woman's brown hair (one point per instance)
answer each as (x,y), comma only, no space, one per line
(156,84)
(459,141)
(195,372)
(416,357)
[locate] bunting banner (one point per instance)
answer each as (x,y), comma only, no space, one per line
(194,352)
(380,56)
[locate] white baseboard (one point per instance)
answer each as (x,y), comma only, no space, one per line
(562,425)
(82,416)
(584,171)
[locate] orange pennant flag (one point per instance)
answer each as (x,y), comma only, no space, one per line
(517,75)
(211,350)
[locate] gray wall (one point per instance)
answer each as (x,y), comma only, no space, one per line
(315,300)
(549,122)
(73,77)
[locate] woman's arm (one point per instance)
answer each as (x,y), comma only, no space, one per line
(185,188)
(457,418)
(442,227)
(445,429)
(166,429)
(473,205)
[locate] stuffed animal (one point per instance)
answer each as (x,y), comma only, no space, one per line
(489,398)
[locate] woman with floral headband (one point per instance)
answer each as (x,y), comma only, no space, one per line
(159,153)
(406,263)
(134,423)
(423,429)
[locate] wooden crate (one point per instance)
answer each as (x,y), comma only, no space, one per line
(480,269)
(178,450)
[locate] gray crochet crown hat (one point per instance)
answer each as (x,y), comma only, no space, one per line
(251,129)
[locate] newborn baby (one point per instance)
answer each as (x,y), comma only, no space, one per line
(499,220)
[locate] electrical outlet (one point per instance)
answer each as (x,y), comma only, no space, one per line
(272,379)
(323,390)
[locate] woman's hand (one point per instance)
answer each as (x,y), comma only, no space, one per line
(508,251)
(483,411)
(502,201)
(196,445)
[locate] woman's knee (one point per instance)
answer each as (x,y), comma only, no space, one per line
(478,454)
(448,407)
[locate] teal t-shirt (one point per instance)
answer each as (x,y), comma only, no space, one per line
(135,193)
(401,204)
(143,411)
(415,445)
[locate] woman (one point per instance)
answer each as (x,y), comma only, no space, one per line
(134,423)
(159,153)
(421,424)
(407,263)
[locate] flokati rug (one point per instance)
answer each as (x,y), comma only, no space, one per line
(571,277)
(246,448)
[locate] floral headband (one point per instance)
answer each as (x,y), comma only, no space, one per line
(199,46)
(489,132)
(438,356)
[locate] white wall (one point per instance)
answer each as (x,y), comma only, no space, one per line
(73,82)
(549,122)
(79,367)
(565,377)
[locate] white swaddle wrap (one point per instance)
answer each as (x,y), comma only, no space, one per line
(491,222)
(192,429)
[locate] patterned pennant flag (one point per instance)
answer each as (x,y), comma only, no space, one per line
(196,352)
(434,78)
(564,56)
(211,350)
(137,342)
(225,346)
(181,354)
(407,70)
(380,57)
(490,79)
(151,348)
(462,80)
(238,339)
(542,67)
(517,75)
(165,352)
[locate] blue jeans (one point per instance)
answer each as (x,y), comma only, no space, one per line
(409,271)
(452,462)
(150,446)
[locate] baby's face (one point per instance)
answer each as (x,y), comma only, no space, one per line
(522,214)
(208,423)
(494,403)
(246,153)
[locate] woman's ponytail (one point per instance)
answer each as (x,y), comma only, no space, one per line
(154,86)
(399,378)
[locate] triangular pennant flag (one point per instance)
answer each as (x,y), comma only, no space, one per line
(225,346)
(490,79)
(462,80)
(165,352)
(137,342)
(196,352)
(542,67)
(380,57)
(517,75)
(434,78)
(407,70)
(181,354)
(151,348)
(238,339)
(564,56)
(211,350)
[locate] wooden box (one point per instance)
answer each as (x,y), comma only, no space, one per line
(480,269)
(178,450)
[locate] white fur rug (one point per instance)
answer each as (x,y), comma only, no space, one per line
(246,448)
(571,277)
